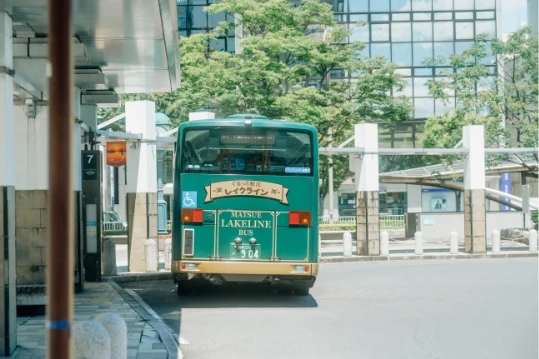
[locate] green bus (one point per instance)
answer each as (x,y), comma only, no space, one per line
(245,204)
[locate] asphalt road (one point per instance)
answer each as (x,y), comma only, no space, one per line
(417,309)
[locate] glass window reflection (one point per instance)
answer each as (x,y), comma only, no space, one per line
(443,49)
(379,5)
(401,31)
(442,5)
(443,30)
(421,5)
(359,33)
(402,54)
(381,50)
(359,5)
(464,30)
(422,31)
(422,51)
(401,5)
(424,107)
(380,32)
(488,27)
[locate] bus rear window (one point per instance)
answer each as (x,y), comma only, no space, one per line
(245,150)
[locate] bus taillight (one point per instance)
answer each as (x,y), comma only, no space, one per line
(299,218)
(192,215)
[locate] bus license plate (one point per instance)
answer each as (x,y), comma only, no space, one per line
(245,251)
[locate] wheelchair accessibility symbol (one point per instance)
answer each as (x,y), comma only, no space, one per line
(189,199)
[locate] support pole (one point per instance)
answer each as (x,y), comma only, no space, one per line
(454,243)
(60,253)
(475,239)
(367,186)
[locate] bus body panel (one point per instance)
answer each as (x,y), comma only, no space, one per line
(280,248)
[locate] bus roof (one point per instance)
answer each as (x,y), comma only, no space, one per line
(255,121)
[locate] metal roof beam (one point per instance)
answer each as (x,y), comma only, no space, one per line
(420,151)
(111,121)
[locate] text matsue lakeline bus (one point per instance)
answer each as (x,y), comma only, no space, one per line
(246,203)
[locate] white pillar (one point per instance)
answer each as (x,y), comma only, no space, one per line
(418,243)
(367,187)
(454,243)
(168,253)
(474,190)
(7,135)
(347,244)
(32,149)
(76,165)
(150,254)
(384,243)
(533,241)
(495,241)
(141,182)
(8,300)
(115,326)
(91,340)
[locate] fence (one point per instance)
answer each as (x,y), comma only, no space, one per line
(113,226)
(387,221)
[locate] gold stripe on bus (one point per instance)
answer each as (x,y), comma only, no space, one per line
(268,268)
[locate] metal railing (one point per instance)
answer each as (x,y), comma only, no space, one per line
(387,221)
(113,226)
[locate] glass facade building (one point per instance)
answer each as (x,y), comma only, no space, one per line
(406,32)
(193,20)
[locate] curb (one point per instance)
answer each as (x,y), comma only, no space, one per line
(426,257)
(139,277)
(149,315)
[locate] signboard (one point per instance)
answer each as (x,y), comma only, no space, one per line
(246,188)
(89,167)
(116,153)
(506,187)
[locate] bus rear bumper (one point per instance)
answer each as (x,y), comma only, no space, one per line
(274,273)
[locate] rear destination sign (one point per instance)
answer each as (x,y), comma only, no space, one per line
(246,188)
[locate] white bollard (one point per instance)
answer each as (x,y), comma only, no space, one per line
(454,243)
(533,241)
(115,326)
(384,243)
(418,243)
(150,255)
(168,253)
(109,258)
(495,241)
(91,340)
(347,243)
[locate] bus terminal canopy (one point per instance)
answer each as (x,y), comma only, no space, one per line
(516,163)
(119,46)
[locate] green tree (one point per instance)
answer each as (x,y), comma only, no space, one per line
(488,99)
(289,52)
(288,55)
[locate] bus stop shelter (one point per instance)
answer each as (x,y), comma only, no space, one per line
(59,61)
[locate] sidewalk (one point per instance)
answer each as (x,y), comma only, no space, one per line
(144,342)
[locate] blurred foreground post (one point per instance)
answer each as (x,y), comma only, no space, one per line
(60,251)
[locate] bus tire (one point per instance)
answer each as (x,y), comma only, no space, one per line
(183,290)
(301,291)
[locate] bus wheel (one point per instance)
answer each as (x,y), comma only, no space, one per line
(301,291)
(183,290)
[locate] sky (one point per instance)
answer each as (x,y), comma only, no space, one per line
(514,14)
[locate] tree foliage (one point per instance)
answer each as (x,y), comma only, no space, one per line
(289,52)
(484,98)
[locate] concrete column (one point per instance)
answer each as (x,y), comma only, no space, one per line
(475,239)
(141,181)
(8,299)
(367,186)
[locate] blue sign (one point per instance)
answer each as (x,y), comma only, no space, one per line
(506,187)
(297,170)
(424,190)
(189,199)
